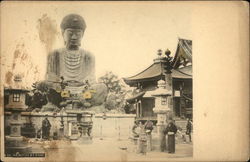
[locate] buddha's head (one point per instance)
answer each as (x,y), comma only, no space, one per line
(73,27)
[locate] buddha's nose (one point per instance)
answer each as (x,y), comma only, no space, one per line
(74,36)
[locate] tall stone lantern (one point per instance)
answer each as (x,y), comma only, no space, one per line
(14,143)
(162,108)
(163,111)
(163,96)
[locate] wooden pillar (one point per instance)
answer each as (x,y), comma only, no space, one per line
(169,87)
(140,107)
(136,108)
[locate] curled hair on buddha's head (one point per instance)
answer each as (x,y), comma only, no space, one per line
(73,21)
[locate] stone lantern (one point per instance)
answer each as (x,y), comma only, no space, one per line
(162,108)
(14,143)
(16,95)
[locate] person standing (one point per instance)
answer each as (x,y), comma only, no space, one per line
(46,128)
(142,144)
(135,130)
(149,128)
(171,130)
(163,143)
(135,134)
(189,129)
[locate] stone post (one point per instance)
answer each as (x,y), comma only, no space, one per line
(162,110)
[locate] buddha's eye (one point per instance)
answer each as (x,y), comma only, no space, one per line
(78,33)
(70,33)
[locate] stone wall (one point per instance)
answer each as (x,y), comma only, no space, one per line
(113,126)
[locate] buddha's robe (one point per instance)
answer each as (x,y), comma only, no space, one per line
(77,65)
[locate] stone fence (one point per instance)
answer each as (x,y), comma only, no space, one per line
(108,126)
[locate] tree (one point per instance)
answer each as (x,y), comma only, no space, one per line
(112,82)
(116,91)
(41,94)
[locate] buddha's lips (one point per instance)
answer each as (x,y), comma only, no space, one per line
(74,42)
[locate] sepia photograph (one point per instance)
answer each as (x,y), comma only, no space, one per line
(98,81)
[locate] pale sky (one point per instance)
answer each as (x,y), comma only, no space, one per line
(123,36)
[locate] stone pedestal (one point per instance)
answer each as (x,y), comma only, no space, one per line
(61,129)
(161,119)
(79,127)
(49,107)
(73,97)
(14,143)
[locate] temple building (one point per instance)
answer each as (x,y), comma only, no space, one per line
(145,83)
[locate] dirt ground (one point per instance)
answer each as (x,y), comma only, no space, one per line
(110,149)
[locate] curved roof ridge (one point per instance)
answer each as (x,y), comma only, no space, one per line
(185,67)
(183,72)
(144,70)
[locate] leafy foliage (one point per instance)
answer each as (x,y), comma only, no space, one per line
(41,94)
(112,82)
(116,91)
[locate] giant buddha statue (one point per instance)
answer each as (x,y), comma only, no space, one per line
(71,62)
(75,65)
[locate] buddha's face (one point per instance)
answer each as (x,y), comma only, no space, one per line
(72,38)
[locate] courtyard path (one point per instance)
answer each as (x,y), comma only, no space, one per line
(111,149)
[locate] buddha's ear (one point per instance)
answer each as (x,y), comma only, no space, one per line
(83,32)
(63,31)
(63,37)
